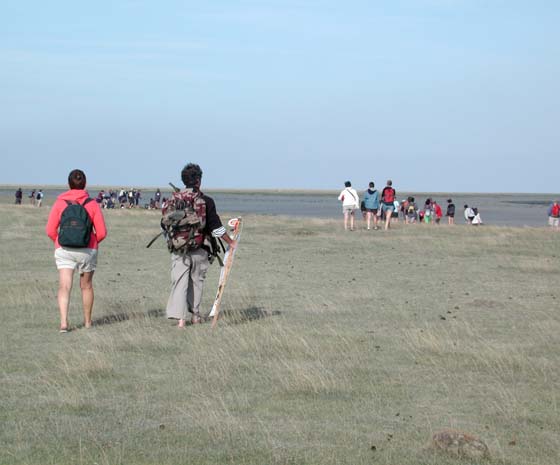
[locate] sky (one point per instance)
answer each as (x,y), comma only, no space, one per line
(438,95)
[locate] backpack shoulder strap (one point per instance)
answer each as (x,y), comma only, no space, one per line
(86,201)
(350,192)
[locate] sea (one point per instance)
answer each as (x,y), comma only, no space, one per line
(521,209)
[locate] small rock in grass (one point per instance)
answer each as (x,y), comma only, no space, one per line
(459,443)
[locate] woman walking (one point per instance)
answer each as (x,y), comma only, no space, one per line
(76,226)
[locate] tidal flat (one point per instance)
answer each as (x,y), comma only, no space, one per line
(334,347)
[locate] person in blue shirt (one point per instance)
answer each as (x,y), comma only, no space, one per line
(371,204)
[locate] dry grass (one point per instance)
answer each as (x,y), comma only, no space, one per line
(335,348)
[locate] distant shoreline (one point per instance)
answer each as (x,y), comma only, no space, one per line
(329,192)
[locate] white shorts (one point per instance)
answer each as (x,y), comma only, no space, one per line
(85,260)
(553,221)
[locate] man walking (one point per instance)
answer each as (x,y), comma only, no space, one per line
(450,212)
(189,220)
(40,197)
(388,198)
(350,203)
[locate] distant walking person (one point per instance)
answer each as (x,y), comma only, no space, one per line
(40,196)
(395,213)
(371,204)
(450,212)
(469,214)
(388,198)
(428,211)
(350,203)
(76,226)
(190,220)
(19,196)
(411,211)
(554,216)
(437,211)
(477,220)
(157,198)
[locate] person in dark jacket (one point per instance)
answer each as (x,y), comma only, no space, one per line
(188,264)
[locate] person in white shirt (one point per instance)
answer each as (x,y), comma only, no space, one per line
(350,203)
(469,214)
(477,219)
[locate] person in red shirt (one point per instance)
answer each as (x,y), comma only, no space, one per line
(68,259)
(388,196)
(554,216)
(438,211)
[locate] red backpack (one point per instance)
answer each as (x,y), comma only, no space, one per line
(388,195)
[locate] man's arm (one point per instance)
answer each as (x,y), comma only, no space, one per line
(214,223)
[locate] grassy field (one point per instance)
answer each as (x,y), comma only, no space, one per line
(335,348)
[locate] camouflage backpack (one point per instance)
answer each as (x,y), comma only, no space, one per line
(183,221)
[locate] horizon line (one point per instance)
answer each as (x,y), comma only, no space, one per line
(272,190)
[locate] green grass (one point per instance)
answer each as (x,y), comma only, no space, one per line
(331,343)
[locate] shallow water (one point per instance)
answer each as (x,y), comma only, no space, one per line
(495,209)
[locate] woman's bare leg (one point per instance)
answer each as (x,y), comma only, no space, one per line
(86,285)
(65,277)
(388,214)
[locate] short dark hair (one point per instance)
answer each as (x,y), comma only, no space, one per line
(389,182)
(347,184)
(191,175)
(77,179)
(371,184)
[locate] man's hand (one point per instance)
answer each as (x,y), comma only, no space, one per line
(229,241)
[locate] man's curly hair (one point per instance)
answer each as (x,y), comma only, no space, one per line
(191,175)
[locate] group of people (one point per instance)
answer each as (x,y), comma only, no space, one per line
(35,197)
(382,208)
(76,226)
(121,199)
(105,199)
(472,215)
(376,207)
(128,199)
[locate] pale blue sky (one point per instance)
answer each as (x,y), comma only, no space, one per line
(439,95)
